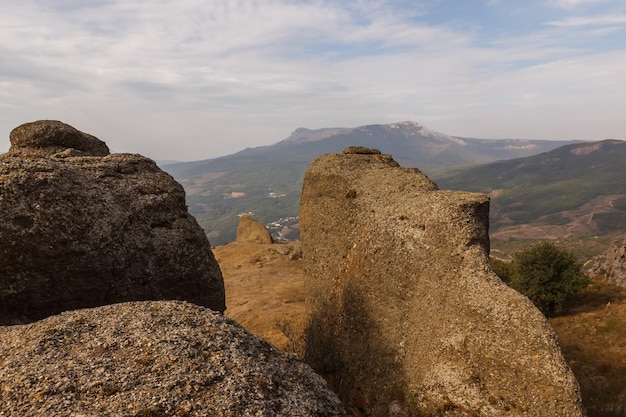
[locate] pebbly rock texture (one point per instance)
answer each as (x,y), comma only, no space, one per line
(165,358)
(406,313)
(82,228)
(251,231)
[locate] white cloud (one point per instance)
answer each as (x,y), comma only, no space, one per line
(194,79)
(618,19)
(571,4)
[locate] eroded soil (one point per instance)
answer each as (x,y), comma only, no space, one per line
(264,288)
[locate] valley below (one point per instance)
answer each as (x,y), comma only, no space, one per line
(576,231)
(570,192)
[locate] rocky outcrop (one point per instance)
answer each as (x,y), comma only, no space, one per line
(82,228)
(614,264)
(163,358)
(251,231)
(406,313)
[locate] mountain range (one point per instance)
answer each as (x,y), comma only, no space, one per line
(266,181)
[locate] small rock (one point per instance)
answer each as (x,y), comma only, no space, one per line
(251,231)
(362,150)
(51,136)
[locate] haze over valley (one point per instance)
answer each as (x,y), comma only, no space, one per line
(539,189)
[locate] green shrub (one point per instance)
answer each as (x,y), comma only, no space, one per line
(545,273)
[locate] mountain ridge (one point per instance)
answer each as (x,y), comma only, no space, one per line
(494,148)
(220,189)
(577,190)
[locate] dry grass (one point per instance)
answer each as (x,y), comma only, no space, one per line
(264,291)
(593,340)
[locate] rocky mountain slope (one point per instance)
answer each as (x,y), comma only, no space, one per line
(266,181)
(419,308)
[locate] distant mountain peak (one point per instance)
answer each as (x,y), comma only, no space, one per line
(302,135)
(278,169)
(406,125)
(409,128)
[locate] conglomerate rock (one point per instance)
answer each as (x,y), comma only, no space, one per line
(406,312)
(81,228)
(161,358)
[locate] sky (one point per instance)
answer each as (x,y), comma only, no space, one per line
(196,79)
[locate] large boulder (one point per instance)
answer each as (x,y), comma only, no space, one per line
(82,228)
(162,358)
(406,313)
(251,231)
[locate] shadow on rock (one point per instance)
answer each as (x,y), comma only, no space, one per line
(347,347)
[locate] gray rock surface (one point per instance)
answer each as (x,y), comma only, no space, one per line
(81,228)
(406,313)
(165,358)
(251,231)
(50,137)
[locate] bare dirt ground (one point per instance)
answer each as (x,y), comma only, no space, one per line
(264,288)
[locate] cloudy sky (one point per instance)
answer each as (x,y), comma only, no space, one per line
(196,79)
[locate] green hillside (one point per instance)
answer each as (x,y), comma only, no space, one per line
(580,188)
(266,181)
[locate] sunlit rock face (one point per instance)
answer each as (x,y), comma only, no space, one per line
(81,228)
(251,231)
(406,313)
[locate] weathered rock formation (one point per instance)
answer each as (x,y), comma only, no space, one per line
(82,228)
(251,231)
(406,313)
(165,358)
(614,264)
